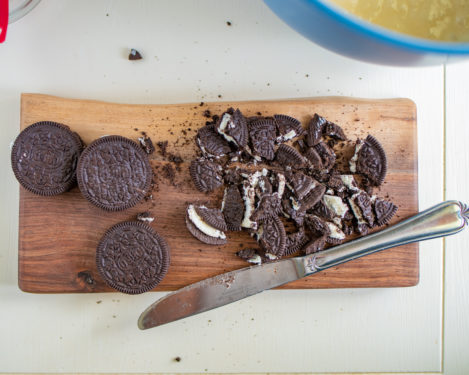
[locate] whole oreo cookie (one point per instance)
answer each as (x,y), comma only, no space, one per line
(132,257)
(114,173)
(44,157)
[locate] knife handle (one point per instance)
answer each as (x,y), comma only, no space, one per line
(444,219)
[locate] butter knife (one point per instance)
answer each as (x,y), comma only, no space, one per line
(444,219)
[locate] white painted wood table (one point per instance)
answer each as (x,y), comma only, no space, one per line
(78,49)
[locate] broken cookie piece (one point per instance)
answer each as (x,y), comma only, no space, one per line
(287,128)
(233,126)
(211,143)
(369,160)
(146,144)
(146,217)
(204,224)
(206,175)
(233,208)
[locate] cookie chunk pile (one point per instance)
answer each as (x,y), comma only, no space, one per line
(285,184)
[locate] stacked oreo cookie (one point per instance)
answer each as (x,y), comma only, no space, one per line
(286,185)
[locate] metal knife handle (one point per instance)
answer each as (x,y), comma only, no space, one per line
(444,219)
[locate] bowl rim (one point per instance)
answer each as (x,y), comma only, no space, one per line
(388,36)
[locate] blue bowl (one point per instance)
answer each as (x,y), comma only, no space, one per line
(348,35)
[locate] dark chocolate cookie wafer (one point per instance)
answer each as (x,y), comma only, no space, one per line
(327,155)
(201,236)
(132,257)
(269,205)
(295,241)
(371,161)
(262,134)
(287,127)
(272,236)
(313,197)
(233,126)
(314,245)
(211,142)
(287,156)
(314,131)
(44,157)
(114,173)
(301,184)
(333,130)
(362,201)
(212,216)
(384,211)
(314,158)
(206,175)
(250,255)
(233,208)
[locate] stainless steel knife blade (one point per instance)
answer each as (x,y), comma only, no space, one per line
(441,220)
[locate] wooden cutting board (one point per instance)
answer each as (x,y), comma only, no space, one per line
(58,235)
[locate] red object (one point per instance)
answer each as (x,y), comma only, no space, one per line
(3,19)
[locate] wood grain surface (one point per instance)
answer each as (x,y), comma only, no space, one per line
(58,235)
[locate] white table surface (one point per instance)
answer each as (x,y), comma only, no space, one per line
(78,49)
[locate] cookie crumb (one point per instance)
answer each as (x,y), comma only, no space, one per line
(228,23)
(177,359)
(134,55)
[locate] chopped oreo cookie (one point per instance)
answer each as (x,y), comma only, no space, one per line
(146,144)
(271,236)
(362,208)
(295,241)
(287,156)
(232,208)
(201,229)
(326,154)
(384,211)
(314,131)
(206,175)
(211,143)
(233,126)
(314,159)
(369,160)
(262,135)
(333,130)
(287,128)
(146,217)
(270,178)
(250,255)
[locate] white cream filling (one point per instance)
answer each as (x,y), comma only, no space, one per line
(335,231)
(337,221)
(286,137)
(295,204)
(353,161)
(271,256)
(225,194)
(329,191)
(147,219)
(281,185)
(226,122)
(356,210)
(249,195)
(202,225)
(255,259)
(349,181)
(335,204)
